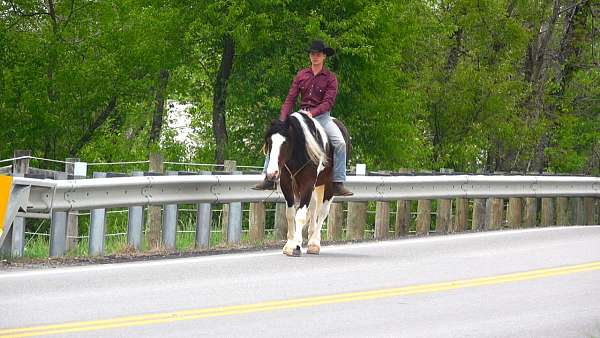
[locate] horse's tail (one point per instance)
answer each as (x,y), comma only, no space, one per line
(347,138)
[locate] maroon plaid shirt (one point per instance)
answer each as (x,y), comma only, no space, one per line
(317,92)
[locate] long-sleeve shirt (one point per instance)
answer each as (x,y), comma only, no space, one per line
(317,92)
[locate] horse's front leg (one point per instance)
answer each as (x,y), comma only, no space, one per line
(290,247)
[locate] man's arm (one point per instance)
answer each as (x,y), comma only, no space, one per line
(290,100)
(328,98)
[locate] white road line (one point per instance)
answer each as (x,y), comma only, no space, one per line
(277,252)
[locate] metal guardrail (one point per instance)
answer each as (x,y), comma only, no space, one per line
(63,195)
(37,196)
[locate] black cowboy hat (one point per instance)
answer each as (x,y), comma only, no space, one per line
(320,46)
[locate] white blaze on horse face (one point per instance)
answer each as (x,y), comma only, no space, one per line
(276,143)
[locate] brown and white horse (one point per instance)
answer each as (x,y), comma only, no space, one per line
(300,156)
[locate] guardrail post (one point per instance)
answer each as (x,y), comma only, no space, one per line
(423,217)
(72,216)
(577,211)
(335,221)
(403,209)
(21,166)
(530,219)
(382,220)
(547,217)
(135,221)
(203,222)
(14,244)
(257,219)
(169,234)
(154,211)
(478,221)
(588,205)
(97,227)
(228,166)
(562,211)
(403,216)
(443,219)
(234,221)
(494,213)
(460,217)
(280,221)
(357,212)
(515,215)
(58,228)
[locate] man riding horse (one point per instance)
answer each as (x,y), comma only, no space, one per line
(318,88)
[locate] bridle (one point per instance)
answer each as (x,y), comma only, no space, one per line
(293,175)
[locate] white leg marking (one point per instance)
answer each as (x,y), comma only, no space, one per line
(312,214)
(301,219)
(315,233)
(290,214)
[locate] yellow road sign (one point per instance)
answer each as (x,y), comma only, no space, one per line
(5,188)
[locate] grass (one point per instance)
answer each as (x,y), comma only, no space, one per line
(37,245)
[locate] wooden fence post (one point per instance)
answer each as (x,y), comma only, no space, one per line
(478,221)
(530,219)
(403,208)
(280,221)
(547,217)
(335,221)
(256,227)
(515,212)
(382,220)
(228,166)
(423,217)
(154,211)
(357,213)
(462,211)
(562,211)
(577,211)
(72,216)
(589,206)
(495,213)
(444,216)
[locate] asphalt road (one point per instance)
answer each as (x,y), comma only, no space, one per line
(525,283)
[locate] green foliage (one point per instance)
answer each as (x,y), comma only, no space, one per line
(424,84)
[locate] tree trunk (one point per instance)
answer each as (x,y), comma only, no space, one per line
(110,108)
(219,98)
(159,111)
(535,73)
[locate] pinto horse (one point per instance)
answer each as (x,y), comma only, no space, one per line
(300,156)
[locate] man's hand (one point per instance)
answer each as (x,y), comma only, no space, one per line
(307,112)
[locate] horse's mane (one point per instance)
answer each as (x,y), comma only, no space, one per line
(311,137)
(309,140)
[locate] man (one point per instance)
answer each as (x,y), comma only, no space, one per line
(318,88)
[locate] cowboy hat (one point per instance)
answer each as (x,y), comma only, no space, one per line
(320,46)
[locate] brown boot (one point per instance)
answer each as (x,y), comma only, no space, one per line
(266,184)
(340,190)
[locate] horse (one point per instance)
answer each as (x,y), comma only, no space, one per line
(301,158)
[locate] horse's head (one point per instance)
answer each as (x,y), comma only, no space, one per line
(299,140)
(277,146)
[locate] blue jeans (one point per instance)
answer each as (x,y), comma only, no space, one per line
(336,140)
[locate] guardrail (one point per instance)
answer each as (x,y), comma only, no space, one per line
(36,198)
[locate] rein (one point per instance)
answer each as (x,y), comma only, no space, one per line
(293,176)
